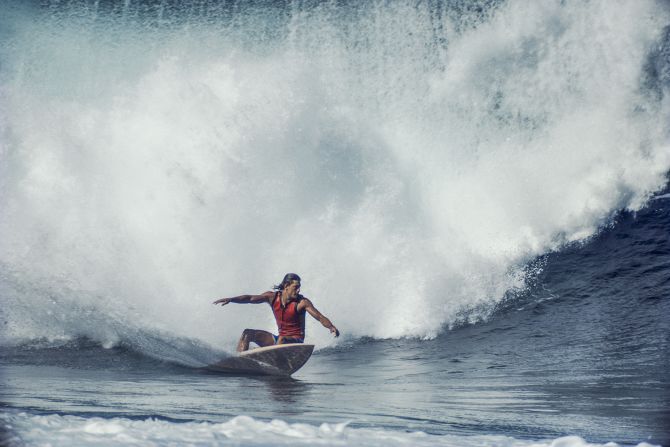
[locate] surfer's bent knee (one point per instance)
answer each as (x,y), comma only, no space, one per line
(260,337)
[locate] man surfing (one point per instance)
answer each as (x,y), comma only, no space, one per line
(289,308)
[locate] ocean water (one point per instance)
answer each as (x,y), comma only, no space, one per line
(475,193)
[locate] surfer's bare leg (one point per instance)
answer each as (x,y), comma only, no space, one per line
(261,338)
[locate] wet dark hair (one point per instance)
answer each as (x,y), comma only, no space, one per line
(286,281)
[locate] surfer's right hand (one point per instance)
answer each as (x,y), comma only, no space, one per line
(222,301)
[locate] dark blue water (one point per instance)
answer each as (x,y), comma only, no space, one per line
(586,351)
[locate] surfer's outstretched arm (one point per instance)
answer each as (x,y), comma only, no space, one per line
(246,299)
(309,307)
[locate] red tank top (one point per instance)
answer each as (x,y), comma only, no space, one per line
(290,321)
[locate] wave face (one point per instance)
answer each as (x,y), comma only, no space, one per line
(407,159)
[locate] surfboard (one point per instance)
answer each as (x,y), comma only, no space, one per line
(276,360)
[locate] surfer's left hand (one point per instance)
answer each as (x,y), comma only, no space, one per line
(334,331)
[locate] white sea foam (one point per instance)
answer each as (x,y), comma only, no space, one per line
(406,163)
(72,431)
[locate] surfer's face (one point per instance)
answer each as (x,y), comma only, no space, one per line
(292,289)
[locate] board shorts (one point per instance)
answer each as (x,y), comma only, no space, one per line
(288,340)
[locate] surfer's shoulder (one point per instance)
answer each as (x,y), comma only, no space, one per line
(304,302)
(269,295)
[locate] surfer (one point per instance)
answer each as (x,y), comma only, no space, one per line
(289,308)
